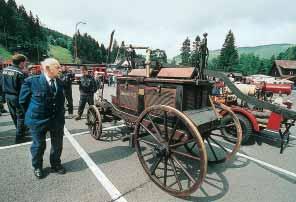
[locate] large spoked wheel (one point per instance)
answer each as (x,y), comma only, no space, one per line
(161,133)
(221,146)
(94,122)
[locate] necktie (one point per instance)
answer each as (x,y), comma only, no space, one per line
(52,86)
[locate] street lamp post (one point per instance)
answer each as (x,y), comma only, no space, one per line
(75,50)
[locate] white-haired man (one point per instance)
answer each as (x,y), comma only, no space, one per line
(42,99)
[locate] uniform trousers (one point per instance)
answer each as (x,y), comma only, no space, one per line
(69,98)
(17,115)
(85,98)
(39,145)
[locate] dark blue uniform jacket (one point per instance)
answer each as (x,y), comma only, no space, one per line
(43,108)
(12,80)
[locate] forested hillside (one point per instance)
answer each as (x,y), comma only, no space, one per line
(21,31)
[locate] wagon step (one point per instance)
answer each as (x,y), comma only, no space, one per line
(128,138)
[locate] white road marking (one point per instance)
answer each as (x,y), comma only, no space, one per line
(113,127)
(16,145)
(106,183)
(278,169)
(104,129)
(74,134)
(293,136)
(81,133)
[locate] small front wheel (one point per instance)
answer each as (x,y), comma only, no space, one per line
(94,122)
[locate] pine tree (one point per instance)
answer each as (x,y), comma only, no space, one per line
(229,54)
(104,53)
(3,23)
(11,14)
(289,54)
(22,25)
(195,57)
(185,52)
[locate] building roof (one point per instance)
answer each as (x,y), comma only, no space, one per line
(286,64)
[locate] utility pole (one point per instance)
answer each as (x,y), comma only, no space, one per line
(76,48)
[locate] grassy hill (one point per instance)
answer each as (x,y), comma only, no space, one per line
(4,54)
(264,51)
(63,55)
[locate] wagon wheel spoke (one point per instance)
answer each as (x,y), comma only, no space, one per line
(174,129)
(154,126)
(165,171)
(227,125)
(193,145)
(90,119)
(94,129)
(181,143)
(212,149)
(223,136)
(231,128)
(175,173)
(147,154)
(185,155)
(165,123)
(155,165)
(147,142)
(183,169)
(151,133)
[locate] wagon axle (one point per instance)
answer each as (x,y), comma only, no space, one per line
(161,150)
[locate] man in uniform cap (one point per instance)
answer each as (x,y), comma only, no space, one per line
(32,70)
(43,100)
(87,88)
(12,80)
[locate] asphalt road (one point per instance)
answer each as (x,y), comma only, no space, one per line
(102,170)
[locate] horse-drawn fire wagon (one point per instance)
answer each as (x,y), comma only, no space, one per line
(177,127)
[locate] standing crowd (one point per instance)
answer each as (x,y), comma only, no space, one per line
(37,105)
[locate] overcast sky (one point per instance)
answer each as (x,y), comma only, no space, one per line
(165,24)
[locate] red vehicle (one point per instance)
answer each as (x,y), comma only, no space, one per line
(5,64)
(259,111)
(93,69)
(101,70)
